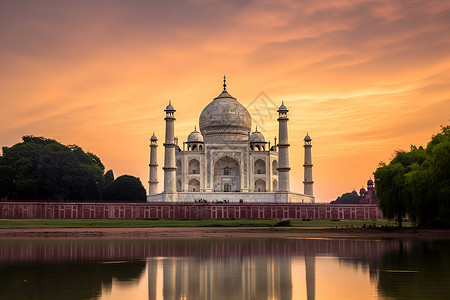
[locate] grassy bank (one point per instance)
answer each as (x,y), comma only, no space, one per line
(130,223)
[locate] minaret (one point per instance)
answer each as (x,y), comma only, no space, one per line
(153,178)
(308,178)
(169,153)
(283,150)
(310,266)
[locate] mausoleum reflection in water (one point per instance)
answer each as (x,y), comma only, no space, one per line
(223,269)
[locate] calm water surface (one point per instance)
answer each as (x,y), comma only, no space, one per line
(224,269)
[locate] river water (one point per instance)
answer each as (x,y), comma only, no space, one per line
(224,269)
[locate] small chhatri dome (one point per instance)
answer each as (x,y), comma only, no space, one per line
(362,191)
(370,182)
(225,119)
(170,107)
(307,138)
(153,138)
(195,136)
(257,137)
(282,107)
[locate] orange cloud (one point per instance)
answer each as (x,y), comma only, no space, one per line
(364,78)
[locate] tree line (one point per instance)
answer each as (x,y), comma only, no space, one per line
(347,198)
(417,183)
(39,168)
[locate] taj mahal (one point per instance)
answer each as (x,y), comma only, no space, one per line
(225,162)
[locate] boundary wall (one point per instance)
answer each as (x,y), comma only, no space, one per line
(171,210)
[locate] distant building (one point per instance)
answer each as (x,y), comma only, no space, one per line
(368,196)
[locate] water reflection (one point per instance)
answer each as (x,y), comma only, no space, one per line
(64,281)
(237,278)
(224,269)
(416,270)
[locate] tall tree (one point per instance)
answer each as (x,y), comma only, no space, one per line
(43,169)
(417,182)
(125,188)
(347,198)
(440,168)
(108,178)
(391,191)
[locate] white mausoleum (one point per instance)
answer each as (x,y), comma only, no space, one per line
(225,161)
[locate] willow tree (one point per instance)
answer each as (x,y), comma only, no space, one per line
(391,191)
(417,182)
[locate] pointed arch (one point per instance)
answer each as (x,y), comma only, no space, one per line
(260,185)
(179,167)
(227,175)
(194,185)
(194,166)
(260,166)
(275,186)
(274,167)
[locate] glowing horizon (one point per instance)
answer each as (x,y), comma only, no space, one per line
(363,78)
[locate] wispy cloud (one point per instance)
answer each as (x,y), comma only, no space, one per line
(362,77)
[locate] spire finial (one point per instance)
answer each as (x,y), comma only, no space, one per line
(256,128)
(224,83)
(195,127)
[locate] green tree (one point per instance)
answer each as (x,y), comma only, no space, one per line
(346,198)
(125,188)
(43,169)
(108,178)
(422,206)
(391,191)
(417,182)
(440,168)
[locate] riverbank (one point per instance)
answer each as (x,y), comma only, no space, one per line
(224,232)
(145,223)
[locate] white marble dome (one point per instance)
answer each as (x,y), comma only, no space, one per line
(225,119)
(257,137)
(195,136)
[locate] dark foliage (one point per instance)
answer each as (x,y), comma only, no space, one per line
(417,182)
(108,178)
(43,169)
(346,198)
(125,188)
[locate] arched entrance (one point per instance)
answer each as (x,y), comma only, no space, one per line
(179,167)
(194,185)
(260,185)
(194,166)
(227,176)
(260,167)
(274,167)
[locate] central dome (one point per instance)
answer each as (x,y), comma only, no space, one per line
(225,119)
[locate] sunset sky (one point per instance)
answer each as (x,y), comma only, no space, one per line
(363,78)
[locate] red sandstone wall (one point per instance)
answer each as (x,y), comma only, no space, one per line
(12,210)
